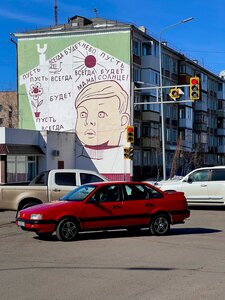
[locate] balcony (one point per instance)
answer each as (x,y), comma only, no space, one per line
(150,116)
(221,131)
(150,142)
(136,59)
(221,95)
(221,113)
(221,149)
(201,106)
(200,127)
(185,145)
(185,123)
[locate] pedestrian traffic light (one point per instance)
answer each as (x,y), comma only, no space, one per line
(128,152)
(195,88)
(175,93)
(130,134)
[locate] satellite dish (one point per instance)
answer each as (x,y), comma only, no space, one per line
(222,74)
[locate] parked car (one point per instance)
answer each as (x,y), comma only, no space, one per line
(106,205)
(203,186)
(47,186)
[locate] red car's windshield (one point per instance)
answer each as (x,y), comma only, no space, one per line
(79,194)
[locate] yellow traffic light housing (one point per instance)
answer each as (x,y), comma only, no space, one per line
(195,88)
(128,152)
(175,93)
(130,134)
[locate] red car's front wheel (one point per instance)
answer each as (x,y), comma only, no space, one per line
(67,230)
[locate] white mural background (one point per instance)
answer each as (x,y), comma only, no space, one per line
(53,86)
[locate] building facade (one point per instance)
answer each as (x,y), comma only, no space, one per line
(95,77)
(25,153)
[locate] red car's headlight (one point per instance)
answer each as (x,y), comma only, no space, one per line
(36,216)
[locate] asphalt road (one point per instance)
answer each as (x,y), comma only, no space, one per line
(187,264)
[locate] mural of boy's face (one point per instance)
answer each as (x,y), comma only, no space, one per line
(99,122)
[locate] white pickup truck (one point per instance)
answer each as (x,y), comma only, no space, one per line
(47,186)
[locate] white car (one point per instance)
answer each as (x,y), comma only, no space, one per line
(203,186)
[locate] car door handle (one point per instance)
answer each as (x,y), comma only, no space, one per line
(117,206)
(203,185)
(149,204)
(56,190)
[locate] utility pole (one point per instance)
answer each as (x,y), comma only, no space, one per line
(56,12)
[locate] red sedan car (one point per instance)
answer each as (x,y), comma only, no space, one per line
(106,205)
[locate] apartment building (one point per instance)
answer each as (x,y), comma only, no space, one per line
(194,130)
(67,61)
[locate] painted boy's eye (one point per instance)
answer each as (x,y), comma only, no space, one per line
(83,114)
(102,114)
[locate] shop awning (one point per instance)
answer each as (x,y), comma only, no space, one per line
(11,149)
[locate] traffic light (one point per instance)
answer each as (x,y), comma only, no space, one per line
(131,152)
(175,93)
(130,134)
(128,152)
(195,89)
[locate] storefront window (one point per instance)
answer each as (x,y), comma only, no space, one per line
(21,168)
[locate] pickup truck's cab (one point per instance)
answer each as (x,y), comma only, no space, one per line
(47,186)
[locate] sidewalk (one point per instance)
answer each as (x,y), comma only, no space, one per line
(7,217)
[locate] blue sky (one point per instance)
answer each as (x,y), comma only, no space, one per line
(203,38)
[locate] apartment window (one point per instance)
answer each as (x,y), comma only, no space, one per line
(154,130)
(173,135)
(136,75)
(221,141)
(203,137)
(182,135)
(220,104)
(146,49)
(166,62)
(145,130)
(182,69)
(136,48)
(174,113)
(200,118)
(146,99)
(174,66)
(155,49)
(146,158)
(188,136)
(189,113)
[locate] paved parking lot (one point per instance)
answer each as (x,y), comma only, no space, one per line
(187,264)
(7,217)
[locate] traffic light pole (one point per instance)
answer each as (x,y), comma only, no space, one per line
(162,116)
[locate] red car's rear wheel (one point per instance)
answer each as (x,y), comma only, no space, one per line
(160,225)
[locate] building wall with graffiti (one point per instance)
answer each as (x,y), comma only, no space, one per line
(79,83)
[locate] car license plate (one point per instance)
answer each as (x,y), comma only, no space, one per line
(21,223)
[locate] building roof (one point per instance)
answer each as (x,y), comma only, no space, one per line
(77,23)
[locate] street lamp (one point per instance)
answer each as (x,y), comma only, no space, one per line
(161,93)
